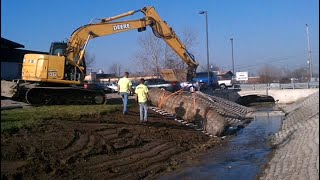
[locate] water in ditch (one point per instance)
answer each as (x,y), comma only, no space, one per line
(243,156)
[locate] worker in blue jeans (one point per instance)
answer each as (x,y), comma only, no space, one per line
(142,98)
(124,88)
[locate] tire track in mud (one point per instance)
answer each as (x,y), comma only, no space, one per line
(114,146)
(97,141)
(126,154)
(81,146)
(139,160)
(160,157)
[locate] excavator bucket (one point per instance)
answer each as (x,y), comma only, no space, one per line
(171,75)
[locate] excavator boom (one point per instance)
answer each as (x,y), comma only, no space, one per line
(59,76)
(80,37)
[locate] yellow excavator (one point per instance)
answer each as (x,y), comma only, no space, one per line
(58,78)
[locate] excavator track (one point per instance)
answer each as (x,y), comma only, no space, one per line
(63,95)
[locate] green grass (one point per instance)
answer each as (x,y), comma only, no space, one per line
(13,120)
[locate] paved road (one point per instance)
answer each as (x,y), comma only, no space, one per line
(297,143)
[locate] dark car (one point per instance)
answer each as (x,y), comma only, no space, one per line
(98,87)
(162,84)
(106,88)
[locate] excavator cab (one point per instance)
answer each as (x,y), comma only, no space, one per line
(58,48)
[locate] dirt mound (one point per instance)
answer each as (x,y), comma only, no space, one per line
(113,146)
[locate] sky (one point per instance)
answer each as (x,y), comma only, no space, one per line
(269,32)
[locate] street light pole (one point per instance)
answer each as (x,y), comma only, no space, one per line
(309,52)
(208,66)
(231,39)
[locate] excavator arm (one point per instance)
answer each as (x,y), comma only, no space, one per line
(80,38)
(162,30)
(47,77)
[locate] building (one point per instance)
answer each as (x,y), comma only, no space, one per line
(224,74)
(12,58)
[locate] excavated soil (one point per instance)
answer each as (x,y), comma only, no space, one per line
(114,146)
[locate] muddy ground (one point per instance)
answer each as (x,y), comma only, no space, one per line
(114,146)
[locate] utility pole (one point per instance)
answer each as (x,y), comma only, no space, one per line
(208,66)
(231,39)
(119,75)
(309,52)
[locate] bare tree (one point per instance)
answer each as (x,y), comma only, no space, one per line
(189,39)
(269,74)
(301,74)
(90,59)
(285,75)
(115,68)
(214,67)
(126,69)
(155,54)
(204,68)
(151,56)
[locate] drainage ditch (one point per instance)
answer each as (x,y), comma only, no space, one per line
(244,156)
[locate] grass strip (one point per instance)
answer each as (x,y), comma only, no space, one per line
(29,117)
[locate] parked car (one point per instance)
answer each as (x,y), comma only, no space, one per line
(112,86)
(204,83)
(162,84)
(97,86)
(107,89)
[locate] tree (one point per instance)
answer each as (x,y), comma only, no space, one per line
(214,67)
(115,68)
(204,68)
(151,55)
(268,74)
(189,39)
(300,73)
(155,54)
(285,75)
(89,59)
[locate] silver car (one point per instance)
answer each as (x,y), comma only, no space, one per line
(113,86)
(190,86)
(162,84)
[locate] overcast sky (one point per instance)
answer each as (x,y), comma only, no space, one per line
(264,31)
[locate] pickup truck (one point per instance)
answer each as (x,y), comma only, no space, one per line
(225,83)
(202,78)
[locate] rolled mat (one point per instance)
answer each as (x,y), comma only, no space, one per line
(189,108)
